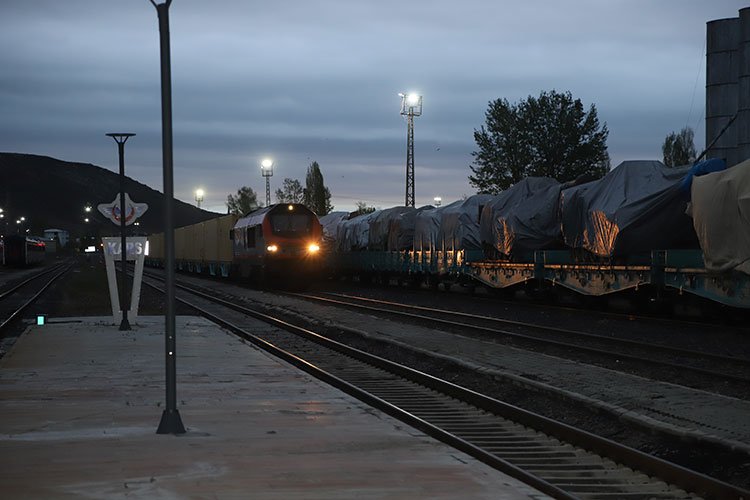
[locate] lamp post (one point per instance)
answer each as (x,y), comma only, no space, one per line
(121,138)
(411,106)
(170,422)
(266,169)
(199,196)
(438,200)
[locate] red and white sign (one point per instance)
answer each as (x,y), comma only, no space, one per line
(132,210)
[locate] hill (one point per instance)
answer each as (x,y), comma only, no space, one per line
(52,193)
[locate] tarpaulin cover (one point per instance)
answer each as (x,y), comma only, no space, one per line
(721,217)
(635,208)
(354,234)
(330,223)
(426,225)
(522,218)
(701,168)
(459,224)
(401,234)
(382,225)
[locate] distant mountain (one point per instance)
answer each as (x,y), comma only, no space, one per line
(52,193)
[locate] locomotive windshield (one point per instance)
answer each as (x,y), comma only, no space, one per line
(291,224)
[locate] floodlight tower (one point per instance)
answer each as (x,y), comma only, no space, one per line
(266,169)
(199,196)
(411,106)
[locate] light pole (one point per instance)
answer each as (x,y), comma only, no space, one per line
(411,106)
(170,422)
(266,169)
(121,138)
(199,196)
(438,200)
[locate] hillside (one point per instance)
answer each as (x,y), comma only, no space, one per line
(51,193)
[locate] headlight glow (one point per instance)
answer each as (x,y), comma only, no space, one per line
(313,247)
(272,248)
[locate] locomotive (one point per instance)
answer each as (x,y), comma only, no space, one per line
(280,242)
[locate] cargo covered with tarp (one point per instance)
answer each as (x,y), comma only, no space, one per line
(721,217)
(382,224)
(401,233)
(354,234)
(637,207)
(459,224)
(523,218)
(426,226)
(330,223)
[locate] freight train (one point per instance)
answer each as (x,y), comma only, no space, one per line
(276,244)
(22,251)
(644,228)
(629,230)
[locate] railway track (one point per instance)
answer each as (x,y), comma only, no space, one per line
(698,369)
(16,299)
(553,457)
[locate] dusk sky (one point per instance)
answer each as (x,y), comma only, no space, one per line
(319,81)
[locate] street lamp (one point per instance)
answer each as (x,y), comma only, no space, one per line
(411,106)
(121,138)
(199,196)
(438,200)
(266,169)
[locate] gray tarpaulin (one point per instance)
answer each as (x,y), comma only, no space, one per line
(382,225)
(330,223)
(721,217)
(401,234)
(426,225)
(636,207)
(354,234)
(523,218)
(459,223)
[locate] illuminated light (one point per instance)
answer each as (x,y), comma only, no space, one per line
(266,163)
(290,207)
(90,249)
(41,319)
(272,248)
(412,99)
(313,247)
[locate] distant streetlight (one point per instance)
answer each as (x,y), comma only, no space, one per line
(121,138)
(87,208)
(411,106)
(438,200)
(266,169)
(86,220)
(199,196)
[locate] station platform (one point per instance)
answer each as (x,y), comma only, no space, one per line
(80,402)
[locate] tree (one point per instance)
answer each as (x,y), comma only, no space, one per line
(551,135)
(316,195)
(244,202)
(291,192)
(679,149)
(362,208)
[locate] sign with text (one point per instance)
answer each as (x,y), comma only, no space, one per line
(135,247)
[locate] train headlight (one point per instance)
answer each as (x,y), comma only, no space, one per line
(313,248)
(272,248)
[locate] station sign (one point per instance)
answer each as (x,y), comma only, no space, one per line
(132,210)
(135,247)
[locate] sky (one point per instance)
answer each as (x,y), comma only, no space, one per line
(302,81)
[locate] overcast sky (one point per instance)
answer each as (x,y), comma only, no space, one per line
(318,80)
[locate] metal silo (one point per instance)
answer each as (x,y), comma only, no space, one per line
(722,70)
(743,106)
